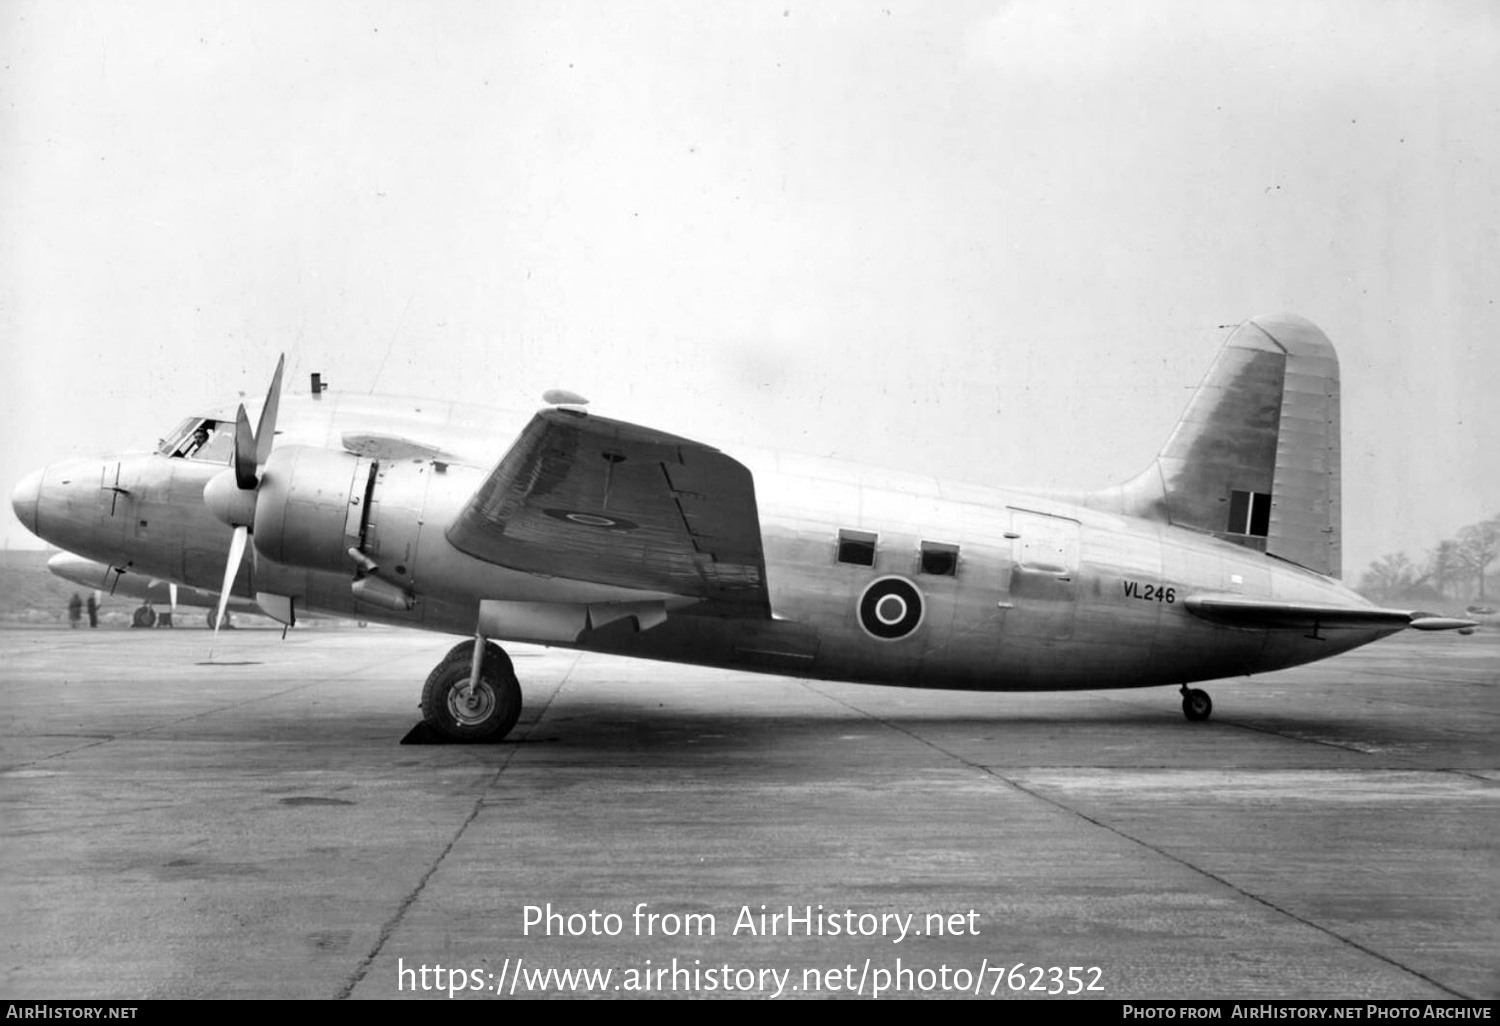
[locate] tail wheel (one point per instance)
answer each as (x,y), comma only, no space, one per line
(485,712)
(1196,705)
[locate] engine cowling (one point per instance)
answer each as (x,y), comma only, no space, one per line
(309,507)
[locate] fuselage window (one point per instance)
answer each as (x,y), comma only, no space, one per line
(857,547)
(939,559)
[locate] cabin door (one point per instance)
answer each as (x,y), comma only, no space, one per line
(1044,577)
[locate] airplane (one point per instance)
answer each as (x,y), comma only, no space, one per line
(150,590)
(1220,559)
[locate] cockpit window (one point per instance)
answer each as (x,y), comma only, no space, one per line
(211,441)
(168,445)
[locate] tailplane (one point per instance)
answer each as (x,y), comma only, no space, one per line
(1255,458)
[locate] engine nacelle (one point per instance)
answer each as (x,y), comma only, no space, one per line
(309,507)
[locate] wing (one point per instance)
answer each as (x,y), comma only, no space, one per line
(599,500)
(393,447)
(1237,611)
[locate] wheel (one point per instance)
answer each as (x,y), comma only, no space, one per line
(145,616)
(486,714)
(213,614)
(1196,705)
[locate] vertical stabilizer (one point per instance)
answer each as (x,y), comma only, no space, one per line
(1255,458)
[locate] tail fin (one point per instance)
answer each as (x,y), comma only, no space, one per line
(1255,458)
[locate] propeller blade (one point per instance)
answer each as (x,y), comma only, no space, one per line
(172,593)
(251,449)
(265,431)
(236,553)
(244,452)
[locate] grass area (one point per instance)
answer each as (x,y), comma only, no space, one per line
(30,593)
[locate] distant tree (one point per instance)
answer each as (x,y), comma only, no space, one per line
(1478,546)
(1388,576)
(1445,567)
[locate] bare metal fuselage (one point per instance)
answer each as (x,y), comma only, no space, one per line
(1045,594)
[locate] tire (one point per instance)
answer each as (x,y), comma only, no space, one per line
(144,616)
(1196,705)
(490,715)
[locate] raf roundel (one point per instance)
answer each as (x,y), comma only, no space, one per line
(890,608)
(572,516)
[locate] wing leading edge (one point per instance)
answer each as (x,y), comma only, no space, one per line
(593,499)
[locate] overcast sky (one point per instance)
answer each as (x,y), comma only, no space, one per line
(992,240)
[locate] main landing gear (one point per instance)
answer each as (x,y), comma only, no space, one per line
(462,708)
(146,615)
(1196,705)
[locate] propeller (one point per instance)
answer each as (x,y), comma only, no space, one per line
(244,452)
(231,494)
(236,553)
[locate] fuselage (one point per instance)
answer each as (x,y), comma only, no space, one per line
(872,575)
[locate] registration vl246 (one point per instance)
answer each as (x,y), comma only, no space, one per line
(1150,592)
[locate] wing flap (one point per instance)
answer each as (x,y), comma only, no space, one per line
(593,499)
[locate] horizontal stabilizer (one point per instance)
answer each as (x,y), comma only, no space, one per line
(1422,622)
(1237,611)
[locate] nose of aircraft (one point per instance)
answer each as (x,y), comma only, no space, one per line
(24,499)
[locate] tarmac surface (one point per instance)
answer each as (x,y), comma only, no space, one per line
(253,828)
